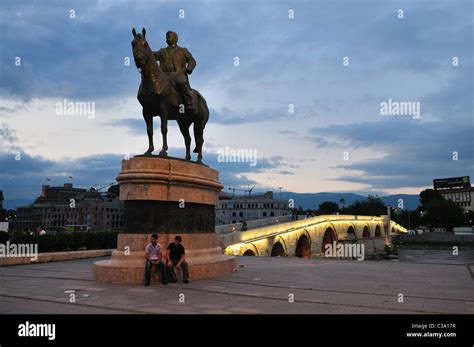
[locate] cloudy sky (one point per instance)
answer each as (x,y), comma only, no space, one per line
(334,61)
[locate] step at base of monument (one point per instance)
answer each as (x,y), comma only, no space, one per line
(104,271)
(127,264)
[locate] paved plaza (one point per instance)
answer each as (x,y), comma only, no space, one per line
(261,285)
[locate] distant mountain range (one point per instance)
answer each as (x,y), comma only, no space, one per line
(305,200)
(313,200)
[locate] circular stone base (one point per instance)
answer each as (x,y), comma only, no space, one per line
(127,265)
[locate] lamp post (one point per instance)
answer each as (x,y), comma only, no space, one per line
(409,220)
(280,207)
(246,207)
(388,237)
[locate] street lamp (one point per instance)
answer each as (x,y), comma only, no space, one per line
(409,220)
(280,206)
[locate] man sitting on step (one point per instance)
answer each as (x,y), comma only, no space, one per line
(176,260)
(153,255)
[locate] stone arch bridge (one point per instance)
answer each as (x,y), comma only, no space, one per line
(309,237)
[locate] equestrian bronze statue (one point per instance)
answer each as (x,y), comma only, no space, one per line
(165,92)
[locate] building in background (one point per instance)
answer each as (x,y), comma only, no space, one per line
(69,208)
(58,195)
(235,209)
(457,189)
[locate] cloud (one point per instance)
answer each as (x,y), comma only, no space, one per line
(281,62)
(415,152)
(134,125)
(289,132)
(4,109)
(227,116)
(285,172)
(8,138)
(23,178)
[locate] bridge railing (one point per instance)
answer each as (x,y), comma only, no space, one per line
(399,227)
(252,224)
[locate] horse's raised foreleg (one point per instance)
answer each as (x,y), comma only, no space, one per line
(149,131)
(184,127)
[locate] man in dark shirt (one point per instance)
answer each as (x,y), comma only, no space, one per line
(176,259)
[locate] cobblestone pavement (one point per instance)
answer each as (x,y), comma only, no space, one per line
(261,285)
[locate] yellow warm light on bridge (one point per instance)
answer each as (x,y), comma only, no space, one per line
(397,226)
(233,249)
(263,237)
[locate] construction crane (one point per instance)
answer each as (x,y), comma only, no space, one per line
(241,190)
(106,186)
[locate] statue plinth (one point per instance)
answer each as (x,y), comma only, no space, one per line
(169,197)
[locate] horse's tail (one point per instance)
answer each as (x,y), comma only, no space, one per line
(203,110)
(200,121)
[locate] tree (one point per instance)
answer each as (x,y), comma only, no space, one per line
(428,195)
(372,206)
(328,207)
(113,191)
(300,210)
(3,214)
(443,214)
(399,216)
(415,217)
(469,216)
(409,219)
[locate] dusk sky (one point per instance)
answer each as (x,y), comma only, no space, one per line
(336,140)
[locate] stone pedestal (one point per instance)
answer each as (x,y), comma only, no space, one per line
(169,197)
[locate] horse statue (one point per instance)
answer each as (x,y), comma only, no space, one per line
(157,94)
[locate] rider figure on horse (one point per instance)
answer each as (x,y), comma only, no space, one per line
(177,62)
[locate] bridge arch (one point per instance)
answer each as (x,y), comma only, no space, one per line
(393,230)
(329,237)
(249,250)
(378,231)
(303,246)
(277,250)
(351,231)
(366,231)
